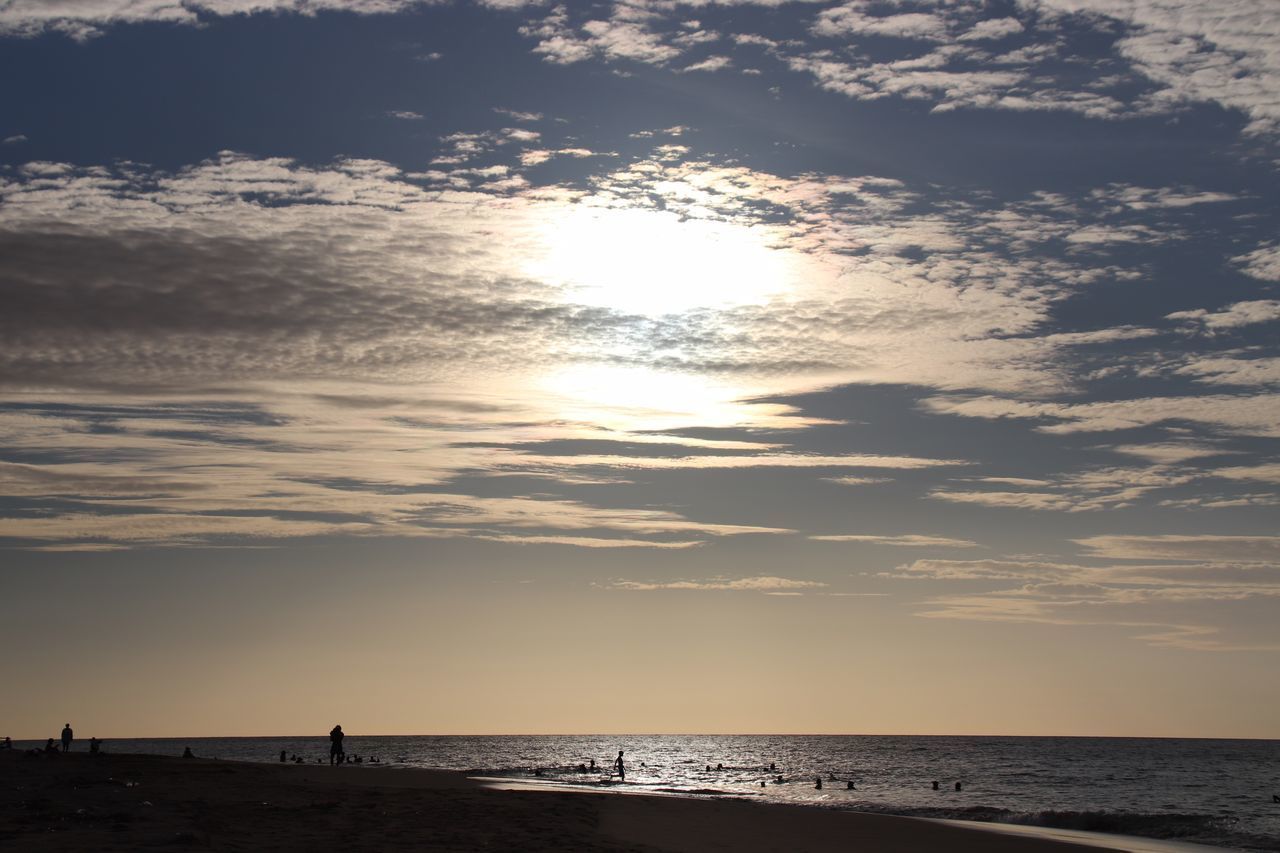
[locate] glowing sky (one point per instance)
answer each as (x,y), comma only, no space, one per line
(663,365)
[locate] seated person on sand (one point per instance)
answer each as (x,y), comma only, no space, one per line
(8,744)
(95,746)
(50,747)
(187,753)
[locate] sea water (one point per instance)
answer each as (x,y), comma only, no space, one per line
(1207,791)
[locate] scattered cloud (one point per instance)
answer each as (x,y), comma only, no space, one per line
(907,540)
(1254,414)
(1217,548)
(1233,316)
(859,481)
(764,583)
(1146,600)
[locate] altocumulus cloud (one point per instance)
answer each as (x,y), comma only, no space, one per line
(1164,54)
(306,350)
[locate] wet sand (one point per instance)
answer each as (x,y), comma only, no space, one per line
(79,802)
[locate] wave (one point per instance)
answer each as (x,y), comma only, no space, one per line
(1166,826)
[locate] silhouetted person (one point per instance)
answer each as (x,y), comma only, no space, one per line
(282,753)
(66,738)
(94,745)
(49,746)
(850,787)
(335,745)
(935,784)
(957,786)
(8,744)
(620,767)
(187,753)
(1275,798)
(772,766)
(593,765)
(818,787)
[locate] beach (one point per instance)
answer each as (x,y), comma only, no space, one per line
(79,802)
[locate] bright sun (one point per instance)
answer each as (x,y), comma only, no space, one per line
(652,262)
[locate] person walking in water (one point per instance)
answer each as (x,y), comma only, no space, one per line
(335,745)
(66,738)
(621,768)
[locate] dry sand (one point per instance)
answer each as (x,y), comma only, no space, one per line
(79,802)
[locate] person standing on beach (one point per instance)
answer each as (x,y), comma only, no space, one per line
(66,738)
(335,745)
(621,768)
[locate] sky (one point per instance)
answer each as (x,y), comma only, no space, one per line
(880,366)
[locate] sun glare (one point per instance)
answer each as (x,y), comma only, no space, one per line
(653,262)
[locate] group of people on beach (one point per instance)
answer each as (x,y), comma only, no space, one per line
(52,748)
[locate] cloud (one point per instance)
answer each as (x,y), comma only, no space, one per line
(1267,473)
(14,140)
(764,583)
(1222,53)
(1166,453)
(83,19)
(859,481)
(984,570)
(340,310)
(1086,490)
(711,63)
(518,115)
(1218,548)
(1257,414)
(588,542)
(564,43)
(907,540)
(993,29)
(1233,316)
(758,460)
(850,19)
(1249,370)
(1262,263)
(1151,601)
(405,115)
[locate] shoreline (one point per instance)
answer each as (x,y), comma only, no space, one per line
(75,802)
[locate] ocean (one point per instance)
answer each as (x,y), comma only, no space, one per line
(1217,792)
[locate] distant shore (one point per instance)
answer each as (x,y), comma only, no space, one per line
(112,802)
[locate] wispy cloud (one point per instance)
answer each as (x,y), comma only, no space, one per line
(764,583)
(905,540)
(1148,601)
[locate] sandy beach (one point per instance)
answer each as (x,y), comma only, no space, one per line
(79,802)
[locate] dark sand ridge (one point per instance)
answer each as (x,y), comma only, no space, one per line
(79,802)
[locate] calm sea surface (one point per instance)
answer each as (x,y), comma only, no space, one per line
(1207,791)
